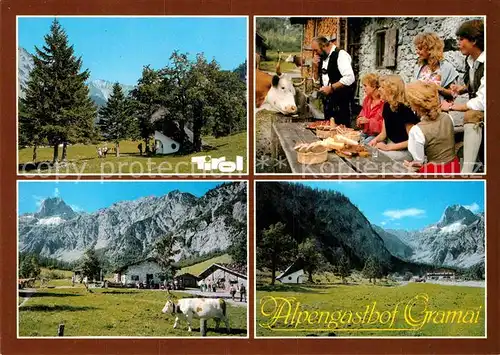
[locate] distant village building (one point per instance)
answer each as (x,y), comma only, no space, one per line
(294,274)
(224,275)
(146,271)
(441,274)
(187,280)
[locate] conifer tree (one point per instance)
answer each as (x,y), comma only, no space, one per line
(116,118)
(146,99)
(57,96)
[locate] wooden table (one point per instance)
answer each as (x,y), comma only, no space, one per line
(290,134)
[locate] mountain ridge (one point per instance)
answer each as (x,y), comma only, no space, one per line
(127,230)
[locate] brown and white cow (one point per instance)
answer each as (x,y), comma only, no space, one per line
(274,93)
(201,308)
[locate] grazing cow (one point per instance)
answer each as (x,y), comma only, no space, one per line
(295,59)
(202,308)
(274,93)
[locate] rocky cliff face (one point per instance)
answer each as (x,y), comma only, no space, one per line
(127,230)
(458,239)
(328,216)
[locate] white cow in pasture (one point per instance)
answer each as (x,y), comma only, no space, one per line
(201,308)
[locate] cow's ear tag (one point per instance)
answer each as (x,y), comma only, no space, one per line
(276,80)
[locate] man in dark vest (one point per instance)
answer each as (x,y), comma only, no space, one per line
(471,43)
(336,78)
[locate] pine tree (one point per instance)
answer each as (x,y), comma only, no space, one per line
(146,99)
(91,267)
(165,252)
(372,269)
(275,249)
(343,268)
(116,118)
(57,96)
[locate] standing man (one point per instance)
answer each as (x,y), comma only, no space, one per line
(336,78)
(471,43)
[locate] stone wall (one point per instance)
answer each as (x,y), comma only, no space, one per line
(408,28)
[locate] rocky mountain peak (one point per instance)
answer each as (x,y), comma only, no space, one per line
(457,213)
(55,207)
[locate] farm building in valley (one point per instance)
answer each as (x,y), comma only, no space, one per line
(441,274)
(187,280)
(224,275)
(145,271)
(260,45)
(294,274)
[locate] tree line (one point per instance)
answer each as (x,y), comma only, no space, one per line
(57,109)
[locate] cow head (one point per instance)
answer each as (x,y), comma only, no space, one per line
(169,307)
(281,96)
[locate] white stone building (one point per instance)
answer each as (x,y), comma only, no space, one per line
(145,271)
(294,274)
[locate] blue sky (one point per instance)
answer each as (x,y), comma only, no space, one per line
(407,204)
(90,196)
(116,49)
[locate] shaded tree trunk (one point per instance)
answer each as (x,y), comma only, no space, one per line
(64,152)
(117,149)
(34,153)
(198,121)
(273,272)
(310,277)
(56,153)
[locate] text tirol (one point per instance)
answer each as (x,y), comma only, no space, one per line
(286,312)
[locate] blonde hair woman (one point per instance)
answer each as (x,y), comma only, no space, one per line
(431,66)
(370,118)
(398,119)
(432,141)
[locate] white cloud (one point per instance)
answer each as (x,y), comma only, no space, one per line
(474,207)
(56,192)
(383,223)
(409,212)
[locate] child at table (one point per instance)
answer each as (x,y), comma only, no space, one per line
(370,118)
(398,120)
(432,141)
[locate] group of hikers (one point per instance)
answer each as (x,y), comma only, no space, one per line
(410,122)
(232,288)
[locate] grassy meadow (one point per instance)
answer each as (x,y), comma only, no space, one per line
(83,158)
(358,294)
(112,312)
(272,60)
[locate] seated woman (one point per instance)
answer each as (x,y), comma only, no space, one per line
(398,119)
(431,67)
(432,141)
(370,118)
